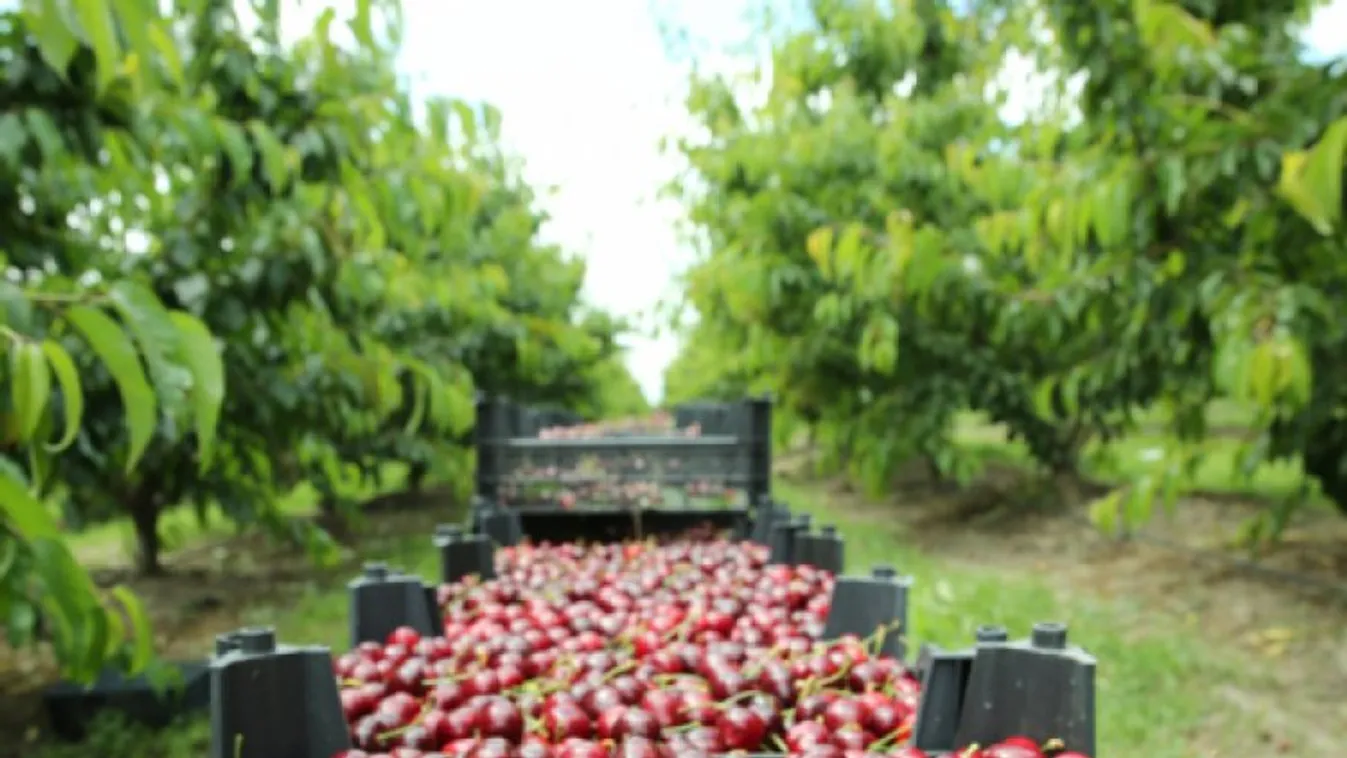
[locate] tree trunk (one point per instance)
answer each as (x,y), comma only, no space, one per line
(144,511)
(416,477)
(327,505)
(332,520)
(933,470)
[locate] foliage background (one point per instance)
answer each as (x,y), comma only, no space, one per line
(234,265)
(878,243)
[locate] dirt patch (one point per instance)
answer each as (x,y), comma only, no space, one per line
(209,588)
(1284,613)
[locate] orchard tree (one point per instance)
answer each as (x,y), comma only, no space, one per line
(365,268)
(1194,213)
(200,207)
(883,249)
(815,284)
(69,94)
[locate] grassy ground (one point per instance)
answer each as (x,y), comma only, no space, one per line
(316,614)
(1155,677)
(1154,680)
(113,541)
(1221,470)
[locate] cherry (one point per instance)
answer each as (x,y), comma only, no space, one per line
(740,728)
(501,718)
(565,719)
(1019,748)
(1020,741)
(812,707)
(852,737)
(806,734)
(637,747)
(885,718)
(842,713)
(574,748)
(663,706)
(493,747)
(694,647)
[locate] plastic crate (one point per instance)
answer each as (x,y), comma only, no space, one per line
(70,707)
(275,701)
(517,469)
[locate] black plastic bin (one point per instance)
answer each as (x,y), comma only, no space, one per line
(515,468)
(72,707)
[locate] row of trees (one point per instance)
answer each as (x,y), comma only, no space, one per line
(234,262)
(883,249)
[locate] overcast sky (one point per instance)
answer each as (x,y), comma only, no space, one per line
(587,92)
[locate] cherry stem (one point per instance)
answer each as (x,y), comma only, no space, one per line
(681,728)
(737,697)
(617,671)
(447,678)
(875,641)
(889,739)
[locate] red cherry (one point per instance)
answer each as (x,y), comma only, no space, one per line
(740,728)
(501,718)
(564,720)
(841,713)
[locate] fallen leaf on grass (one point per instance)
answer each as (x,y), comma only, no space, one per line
(1273,641)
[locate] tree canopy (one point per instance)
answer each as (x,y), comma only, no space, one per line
(234,262)
(883,248)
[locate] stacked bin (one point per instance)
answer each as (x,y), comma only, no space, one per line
(275,701)
(518,471)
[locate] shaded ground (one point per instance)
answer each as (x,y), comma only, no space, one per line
(210,588)
(1283,619)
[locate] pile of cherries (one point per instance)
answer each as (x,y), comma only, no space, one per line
(638,650)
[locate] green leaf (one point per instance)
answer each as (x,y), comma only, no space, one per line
(237,148)
(168,53)
(13,140)
(100,30)
(45,132)
(30,387)
(203,359)
(20,621)
(362,24)
(71,391)
(92,632)
(25,513)
(467,121)
(1322,174)
(420,388)
(1106,512)
(54,32)
(69,599)
(273,154)
(137,20)
(112,346)
(153,328)
(142,637)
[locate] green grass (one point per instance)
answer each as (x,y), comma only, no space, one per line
(182,526)
(317,616)
(1221,414)
(1221,469)
(1155,679)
